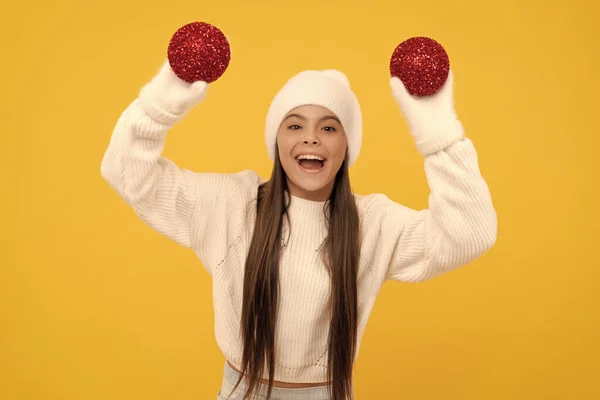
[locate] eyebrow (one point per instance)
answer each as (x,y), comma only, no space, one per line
(323,118)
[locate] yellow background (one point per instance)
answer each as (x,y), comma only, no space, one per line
(95,305)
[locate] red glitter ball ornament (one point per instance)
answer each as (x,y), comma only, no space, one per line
(199,52)
(422,65)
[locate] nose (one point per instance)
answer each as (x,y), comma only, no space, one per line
(310,137)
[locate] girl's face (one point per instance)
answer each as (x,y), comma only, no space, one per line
(312,147)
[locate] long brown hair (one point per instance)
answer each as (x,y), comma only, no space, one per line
(261,283)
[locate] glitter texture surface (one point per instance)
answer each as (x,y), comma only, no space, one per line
(199,51)
(422,65)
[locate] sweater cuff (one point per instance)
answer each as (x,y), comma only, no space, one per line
(441,139)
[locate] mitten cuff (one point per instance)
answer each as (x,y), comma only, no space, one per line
(151,103)
(446,135)
(167,98)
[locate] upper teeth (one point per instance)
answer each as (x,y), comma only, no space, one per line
(309,157)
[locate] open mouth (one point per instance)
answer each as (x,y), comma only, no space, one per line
(310,163)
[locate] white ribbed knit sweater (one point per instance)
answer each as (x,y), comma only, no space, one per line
(212,214)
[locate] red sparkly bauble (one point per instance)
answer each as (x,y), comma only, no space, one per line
(422,65)
(199,52)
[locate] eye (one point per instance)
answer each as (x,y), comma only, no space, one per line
(329,128)
(294,127)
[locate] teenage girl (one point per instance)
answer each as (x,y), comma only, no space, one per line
(297,261)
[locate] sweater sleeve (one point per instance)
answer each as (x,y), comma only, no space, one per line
(193,209)
(459,225)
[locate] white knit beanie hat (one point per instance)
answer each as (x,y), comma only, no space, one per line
(329,89)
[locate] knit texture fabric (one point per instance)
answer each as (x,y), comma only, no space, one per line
(329,89)
(212,214)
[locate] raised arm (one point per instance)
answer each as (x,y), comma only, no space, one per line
(460,223)
(180,204)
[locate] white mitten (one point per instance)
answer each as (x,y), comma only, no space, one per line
(431,119)
(167,97)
